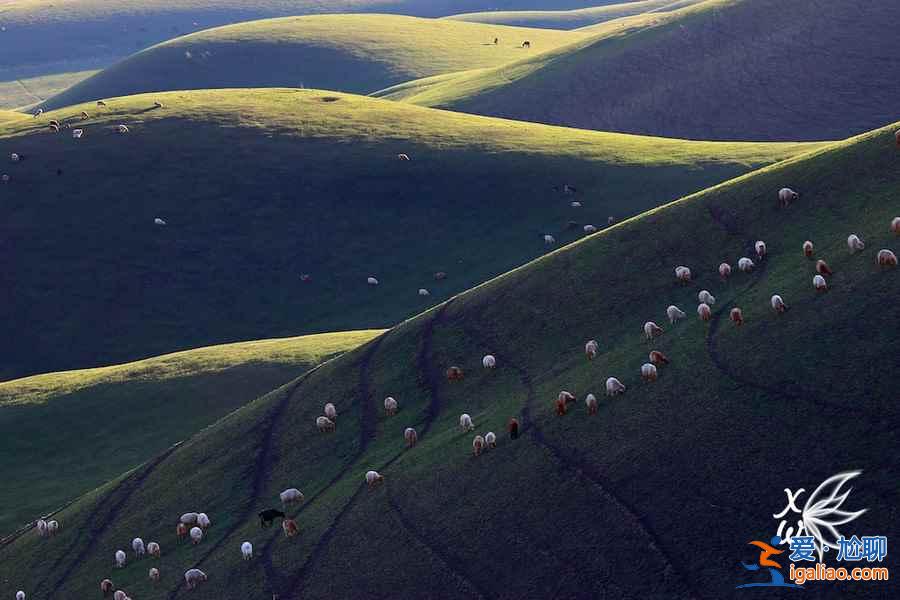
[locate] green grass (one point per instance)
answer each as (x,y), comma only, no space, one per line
(351,53)
(580,506)
(9,115)
(32,90)
(259,186)
(705,71)
(66,433)
(569,19)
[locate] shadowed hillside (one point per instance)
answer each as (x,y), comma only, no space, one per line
(698,459)
(86,427)
(723,69)
(260,187)
(351,53)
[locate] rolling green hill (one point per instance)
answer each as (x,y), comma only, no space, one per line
(579,506)
(66,433)
(351,53)
(722,69)
(8,115)
(571,19)
(21,93)
(260,186)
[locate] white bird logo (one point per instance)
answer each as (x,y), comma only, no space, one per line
(821,515)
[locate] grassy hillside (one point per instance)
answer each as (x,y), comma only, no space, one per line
(579,506)
(26,92)
(570,19)
(8,115)
(722,69)
(352,53)
(261,186)
(66,433)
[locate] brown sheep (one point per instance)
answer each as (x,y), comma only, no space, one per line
(886,258)
(822,268)
(181,530)
(513,428)
(106,587)
(895,225)
(454,374)
(737,316)
(560,406)
(477,445)
(724,271)
(289,526)
(704,312)
(658,358)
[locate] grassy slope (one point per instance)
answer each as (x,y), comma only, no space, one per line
(259,186)
(568,19)
(8,115)
(351,53)
(600,506)
(66,433)
(26,92)
(760,69)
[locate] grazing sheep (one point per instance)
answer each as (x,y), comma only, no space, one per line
(778,304)
(390,406)
(424,292)
(181,531)
(268,516)
(106,587)
(120,558)
(53,127)
(77,133)
(411,437)
(403,156)
(854,243)
(153,549)
(819,283)
(590,229)
(465,422)
(154,574)
(760,249)
(561,407)
(496,41)
(575,204)
(454,374)
(137,544)
(85,116)
(247,550)
(194,577)
(14,157)
(591,348)
(648,372)
(706,298)
(549,239)
(196,535)
(724,271)
(101,103)
(290,527)
(325,425)
(786,196)
(566,397)
(658,358)
(674,313)
(490,438)
(189,518)
(489,361)
(592,405)
(157,104)
(513,428)
(614,387)
(4,178)
(291,496)
(737,316)
(330,411)
(203,521)
(683,274)
(745,265)
(477,445)
(20,595)
(37,113)
(822,268)
(371,281)
(52,527)
(886,258)
(41,526)
(526,44)
(808,249)
(895,225)
(120,595)
(373,478)
(610,220)
(122,128)
(704,312)
(440,276)
(158,221)
(652,330)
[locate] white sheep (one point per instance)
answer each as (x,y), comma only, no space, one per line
(895,225)
(411,437)
(77,133)
(14,157)
(153,549)
(819,283)
(158,221)
(20,595)
(674,313)
(330,411)
(189,518)
(120,558)
(196,535)
(373,478)
(120,595)
(203,521)
(194,577)
(403,156)
(591,348)
(52,527)
(490,438)
(247,550)
(324,424)
(291,496)
(154,574)
(4,178)
(38,113)
(465,422)
(886,258)
(614,387)
(724,270)
(390,406)
(41,526)
(778,304)
(704,297)
(590,229)
(576,204)
(648,372)
(137,544)
(549,239)
(122,128)
(704,312)
(652,330)
(489,362)
(786,196)
(372,281)
(808,249)
(760,249)
(592,405)
(854,243)
(683,274)
(745,264)
(424,292)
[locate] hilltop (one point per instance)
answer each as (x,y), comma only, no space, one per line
(351,53)
(66,433)
(721,69)
(260,187)
(702,454)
